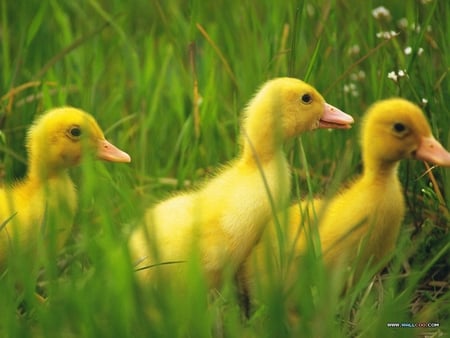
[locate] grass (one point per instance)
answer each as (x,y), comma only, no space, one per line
(167,81)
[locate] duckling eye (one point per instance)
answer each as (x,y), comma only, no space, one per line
(75,132)
(399,127)
(306,98)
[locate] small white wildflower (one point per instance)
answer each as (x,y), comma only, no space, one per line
(408,50)
(381,13)
(420,51)
(387,35)
(393,76)
(361,75)
(424,101)
(351,89)
(354,50)
(358,76)
(415,28)
(403,23)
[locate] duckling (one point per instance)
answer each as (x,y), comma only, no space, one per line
(55,142)
(359,227)
(226,215)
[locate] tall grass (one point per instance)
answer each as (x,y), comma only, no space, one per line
(167,81)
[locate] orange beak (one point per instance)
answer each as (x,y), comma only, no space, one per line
(432,151)
(335,118)
(109,152)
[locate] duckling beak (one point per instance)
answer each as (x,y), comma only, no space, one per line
(431,150)
(335,118)
(109,152)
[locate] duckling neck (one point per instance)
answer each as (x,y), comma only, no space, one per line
(44,178)
(380,171)
(41,170)
(262,140)
(259,149)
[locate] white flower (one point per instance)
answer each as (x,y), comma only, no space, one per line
(408,51)
(415,28)
(387,35)
(403,23)
(351,89)
(396,75)
(354,50)
(358,76)
(381,12)
(361,75)
(424,101)
(393,76)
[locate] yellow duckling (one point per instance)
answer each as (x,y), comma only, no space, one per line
(225,217)
(55,142)
(359,227)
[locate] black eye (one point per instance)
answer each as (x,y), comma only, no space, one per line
(306,98)
(75,131)
(399,127)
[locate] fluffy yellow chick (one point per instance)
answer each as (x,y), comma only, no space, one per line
(358,227)
(55,142)
(225,217)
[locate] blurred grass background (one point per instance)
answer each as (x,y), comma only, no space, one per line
(167,81)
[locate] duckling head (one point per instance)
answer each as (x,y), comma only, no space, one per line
(287,107)
(396,129)
(57,140)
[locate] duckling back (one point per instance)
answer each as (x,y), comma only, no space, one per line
(221,220)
